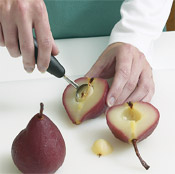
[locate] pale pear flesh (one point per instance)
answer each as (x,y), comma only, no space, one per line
(91,105)
(132,123)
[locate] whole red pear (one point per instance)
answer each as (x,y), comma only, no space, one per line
(40,147)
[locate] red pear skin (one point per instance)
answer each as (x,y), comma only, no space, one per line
(121,136)
(40,147)
(117,112)
(96,109)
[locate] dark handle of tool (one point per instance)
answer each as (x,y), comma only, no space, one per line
(55,68)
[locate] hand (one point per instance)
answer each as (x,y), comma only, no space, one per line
(17,19)
(132,74)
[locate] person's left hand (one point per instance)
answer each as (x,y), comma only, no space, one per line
(132,74)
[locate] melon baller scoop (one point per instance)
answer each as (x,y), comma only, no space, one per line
(56,69)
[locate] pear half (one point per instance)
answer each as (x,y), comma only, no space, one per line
(92,103)
(133,122)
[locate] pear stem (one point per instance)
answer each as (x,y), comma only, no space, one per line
(99,155)
(41,110)
(130,104)
(144,164)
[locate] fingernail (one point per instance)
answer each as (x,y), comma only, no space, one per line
(111,101)
(2,44)
(41,69)
(29,70)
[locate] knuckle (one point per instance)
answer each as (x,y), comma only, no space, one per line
(124,72)
(146,88)
(130,86)
(27,47)
(127,47)
(46,43)
(141,55)
(21,7)
(116,90)
(4,9)
(39,7)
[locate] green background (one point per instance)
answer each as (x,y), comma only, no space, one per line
(83,18)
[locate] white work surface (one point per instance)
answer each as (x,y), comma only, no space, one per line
(21,93)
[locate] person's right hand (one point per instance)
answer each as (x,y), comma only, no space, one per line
(17,20)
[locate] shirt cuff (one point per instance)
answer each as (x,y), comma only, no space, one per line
(142,43)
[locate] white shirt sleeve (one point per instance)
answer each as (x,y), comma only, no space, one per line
(142,21)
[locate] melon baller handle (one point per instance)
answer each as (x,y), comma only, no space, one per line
(55,68)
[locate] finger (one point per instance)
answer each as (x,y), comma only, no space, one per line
(1,37)
(104,67)
(44,39)
(122,74)
(97,69)
(26,44)
(55,50)
(144,88)
(148,97)
(10,33)
(131,84)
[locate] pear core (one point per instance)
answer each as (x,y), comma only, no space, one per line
(85,93)
(131,114)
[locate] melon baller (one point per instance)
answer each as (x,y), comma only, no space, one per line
(56,69)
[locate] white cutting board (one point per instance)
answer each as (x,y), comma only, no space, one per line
(19,101)
(20,98)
